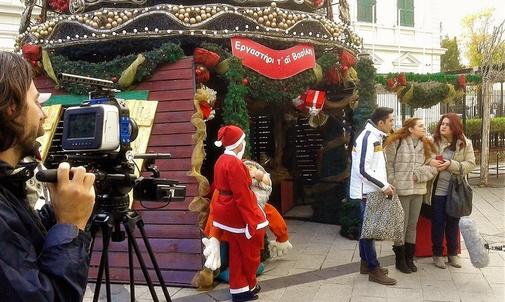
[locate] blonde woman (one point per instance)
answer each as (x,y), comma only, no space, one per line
(408,154)
(455,151)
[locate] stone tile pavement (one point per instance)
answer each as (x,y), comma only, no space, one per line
(324,267)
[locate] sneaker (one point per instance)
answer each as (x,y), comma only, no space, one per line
(455,261)
(439,262)
(363,268)
(377,275)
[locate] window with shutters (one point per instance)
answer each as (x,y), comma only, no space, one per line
(406,12)
(366,11)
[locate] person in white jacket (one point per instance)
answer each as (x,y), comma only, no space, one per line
(368,174)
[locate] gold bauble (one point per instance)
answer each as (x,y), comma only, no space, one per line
(213,11)
(108,26)
(198,18)
(267,23)
(273,24)
(186,15)
(114,23)
(273,4)
(270,17)
(110,14)
(261,20)
(192,20)
(186,20)
(255,15)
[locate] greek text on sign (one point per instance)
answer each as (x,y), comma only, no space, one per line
(274,64)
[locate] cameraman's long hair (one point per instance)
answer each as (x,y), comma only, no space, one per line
(404,132)
(15,80)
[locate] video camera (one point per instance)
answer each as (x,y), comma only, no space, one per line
(98,135)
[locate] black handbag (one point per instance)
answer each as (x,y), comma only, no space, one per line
(459,198)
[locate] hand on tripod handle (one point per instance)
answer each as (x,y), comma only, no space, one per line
(73,195)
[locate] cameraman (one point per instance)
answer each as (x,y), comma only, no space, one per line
(44,254)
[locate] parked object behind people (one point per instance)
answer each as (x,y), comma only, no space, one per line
(408,153)
(455,154)
(368,174)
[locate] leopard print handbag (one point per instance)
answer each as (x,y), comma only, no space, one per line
(383,218)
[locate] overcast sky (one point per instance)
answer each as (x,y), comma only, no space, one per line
(457,9)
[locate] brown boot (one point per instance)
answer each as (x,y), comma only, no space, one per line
(378,276)
(363,268)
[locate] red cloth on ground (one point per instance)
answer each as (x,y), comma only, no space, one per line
(423,239)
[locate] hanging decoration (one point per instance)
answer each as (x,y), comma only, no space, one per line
(166,54)
(314,101)
(206,97)
(425,94)
(274,64)
(32,53)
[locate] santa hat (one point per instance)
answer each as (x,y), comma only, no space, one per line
(230,137)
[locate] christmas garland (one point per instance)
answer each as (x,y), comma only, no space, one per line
(366,91)
(432,77)
(234,107)
(112,70)
(279,91)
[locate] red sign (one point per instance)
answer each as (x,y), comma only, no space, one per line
(275,64)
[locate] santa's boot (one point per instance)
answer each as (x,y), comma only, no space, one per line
(245,296)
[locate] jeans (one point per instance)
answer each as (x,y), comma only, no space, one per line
(367,246)
(442,223)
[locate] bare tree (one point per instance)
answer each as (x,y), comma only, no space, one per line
(492,72)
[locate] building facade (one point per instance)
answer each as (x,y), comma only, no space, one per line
(10,16)
(400,35)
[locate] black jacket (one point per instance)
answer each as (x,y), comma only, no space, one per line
(39,259)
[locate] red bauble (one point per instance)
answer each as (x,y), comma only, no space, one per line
(390,83)
(31,52)
(245,81)
(333,76)
(205,57)
(202,73)
(402,79)
(462,81)
(347,59)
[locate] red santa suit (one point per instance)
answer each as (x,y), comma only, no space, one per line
(237,213)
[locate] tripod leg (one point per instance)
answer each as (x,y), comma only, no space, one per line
(107,278)
(132,276)
(141,262)
(140,226)
(106,239)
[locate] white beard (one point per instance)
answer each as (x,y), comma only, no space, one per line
(241,152)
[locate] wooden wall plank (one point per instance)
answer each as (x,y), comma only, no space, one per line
(189,246)
(172,277)
(173,128)
(164,85)
(171,261)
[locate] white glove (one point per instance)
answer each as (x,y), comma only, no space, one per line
(279,249)
(212,252)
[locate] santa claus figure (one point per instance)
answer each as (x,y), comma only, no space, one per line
(237,214)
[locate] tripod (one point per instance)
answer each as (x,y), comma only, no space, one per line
(110,225)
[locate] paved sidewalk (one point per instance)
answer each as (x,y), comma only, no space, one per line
(324,266)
